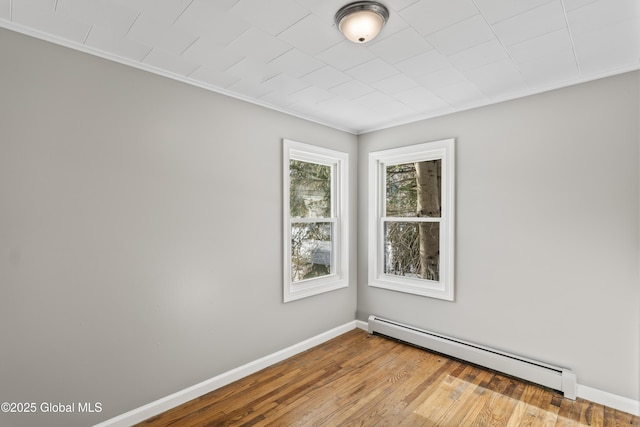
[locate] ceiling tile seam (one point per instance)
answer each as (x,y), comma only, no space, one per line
(189,45)
(521,12)
(409,5)
(147,55)
(279,56)
(242,58)
(374,89)
(132,24)
(200,66)
(295,23)
(453,23)
(524,79)
(86,37)
(573,46)
(181,13)
(339,84)
(435,48)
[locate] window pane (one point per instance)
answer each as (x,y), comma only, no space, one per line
(414,189)
(310,251)
(412,249)
(310,190)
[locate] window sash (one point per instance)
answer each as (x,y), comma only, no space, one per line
(378,163)
(338,277)
(333,260)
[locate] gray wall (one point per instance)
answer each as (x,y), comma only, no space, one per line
(140,233)
(547,230)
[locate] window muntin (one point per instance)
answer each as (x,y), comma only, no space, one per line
(411,219)
(315,220)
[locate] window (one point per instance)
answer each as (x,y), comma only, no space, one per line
(411,212)
(315,220)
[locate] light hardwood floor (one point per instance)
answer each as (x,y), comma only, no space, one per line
(358,379)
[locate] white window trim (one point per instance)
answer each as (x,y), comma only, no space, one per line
(443,149)
(340,256)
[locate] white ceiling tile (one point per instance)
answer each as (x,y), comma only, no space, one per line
(326,77)
(575,4)
(461,95)
(423,64)
(325,10)
(372,71)
(542,46)
(5,9)
(170,62)
(394,24)
(40,15)
(616,46)
(207,8)
(251,70)
(280,100)
(164,12)
(429,16)
(34,6)
(202,51)
(258,45)
(402,4)
(345,55)
(499,10)
(311,35)
(285,84)
(550,70)
(498,78)
(395,84)
(441,78)
(334,107)
(477,56)
(159,35)
(463,35)
(400,46)
(394,113)
(207,20)
(423,100)
(249,89)
(351,89)
(533,23)
(273,16)
(602,13)
(375,98)
(390,113)
(295,63)
(113,43)
(311,95)
(213,77)
(115,17)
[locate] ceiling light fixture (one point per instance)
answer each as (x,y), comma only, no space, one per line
(361,21)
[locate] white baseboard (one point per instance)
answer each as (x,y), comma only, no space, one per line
(164,404)
(161,405)
(362,325)
(611,400)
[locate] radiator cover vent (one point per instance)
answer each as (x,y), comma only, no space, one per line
(554,377)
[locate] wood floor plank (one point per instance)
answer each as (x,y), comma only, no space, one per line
(359,379)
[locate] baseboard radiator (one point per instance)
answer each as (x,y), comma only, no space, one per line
(553,377)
